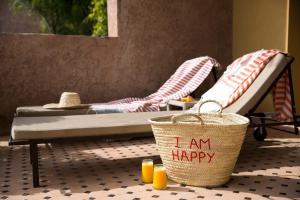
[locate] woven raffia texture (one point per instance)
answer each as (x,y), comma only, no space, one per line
(200,152)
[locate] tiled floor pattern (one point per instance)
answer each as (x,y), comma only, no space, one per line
(111,170)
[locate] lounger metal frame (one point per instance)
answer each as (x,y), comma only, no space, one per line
(33,144)
(266,121)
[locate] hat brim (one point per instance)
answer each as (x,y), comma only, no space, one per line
(56,106)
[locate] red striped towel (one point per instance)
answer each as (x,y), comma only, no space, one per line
(282,99)
(184,81)
(240,75)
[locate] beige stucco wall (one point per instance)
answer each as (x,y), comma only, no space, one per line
(259,24)
(155,37)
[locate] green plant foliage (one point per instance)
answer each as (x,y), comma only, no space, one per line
(98,16)
(68,17)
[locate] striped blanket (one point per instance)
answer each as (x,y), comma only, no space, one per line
(240,75)
(187,78)
(282,99)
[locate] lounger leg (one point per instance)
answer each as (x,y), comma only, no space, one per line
(168,107)
(34,164)
(293,100)
(30,148)
(260,132)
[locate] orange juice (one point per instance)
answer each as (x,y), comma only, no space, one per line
(159,177)
(187,99)
(147,170)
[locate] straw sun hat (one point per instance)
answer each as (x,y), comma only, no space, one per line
(68,100)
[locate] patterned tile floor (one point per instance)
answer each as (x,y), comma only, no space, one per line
(111,170)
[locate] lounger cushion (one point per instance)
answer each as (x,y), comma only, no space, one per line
(26,128)
(34,111)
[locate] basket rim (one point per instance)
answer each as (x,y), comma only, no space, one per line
(244,120)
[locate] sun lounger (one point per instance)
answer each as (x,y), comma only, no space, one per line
(255,94)
(36,130)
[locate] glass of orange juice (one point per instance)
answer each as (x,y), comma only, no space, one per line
(159,177)
(147,170)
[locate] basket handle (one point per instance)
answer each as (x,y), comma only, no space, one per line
(176,118)
(213,101)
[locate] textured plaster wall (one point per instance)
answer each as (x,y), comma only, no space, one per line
(155,37)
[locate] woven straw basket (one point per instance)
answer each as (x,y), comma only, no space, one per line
(200,149)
